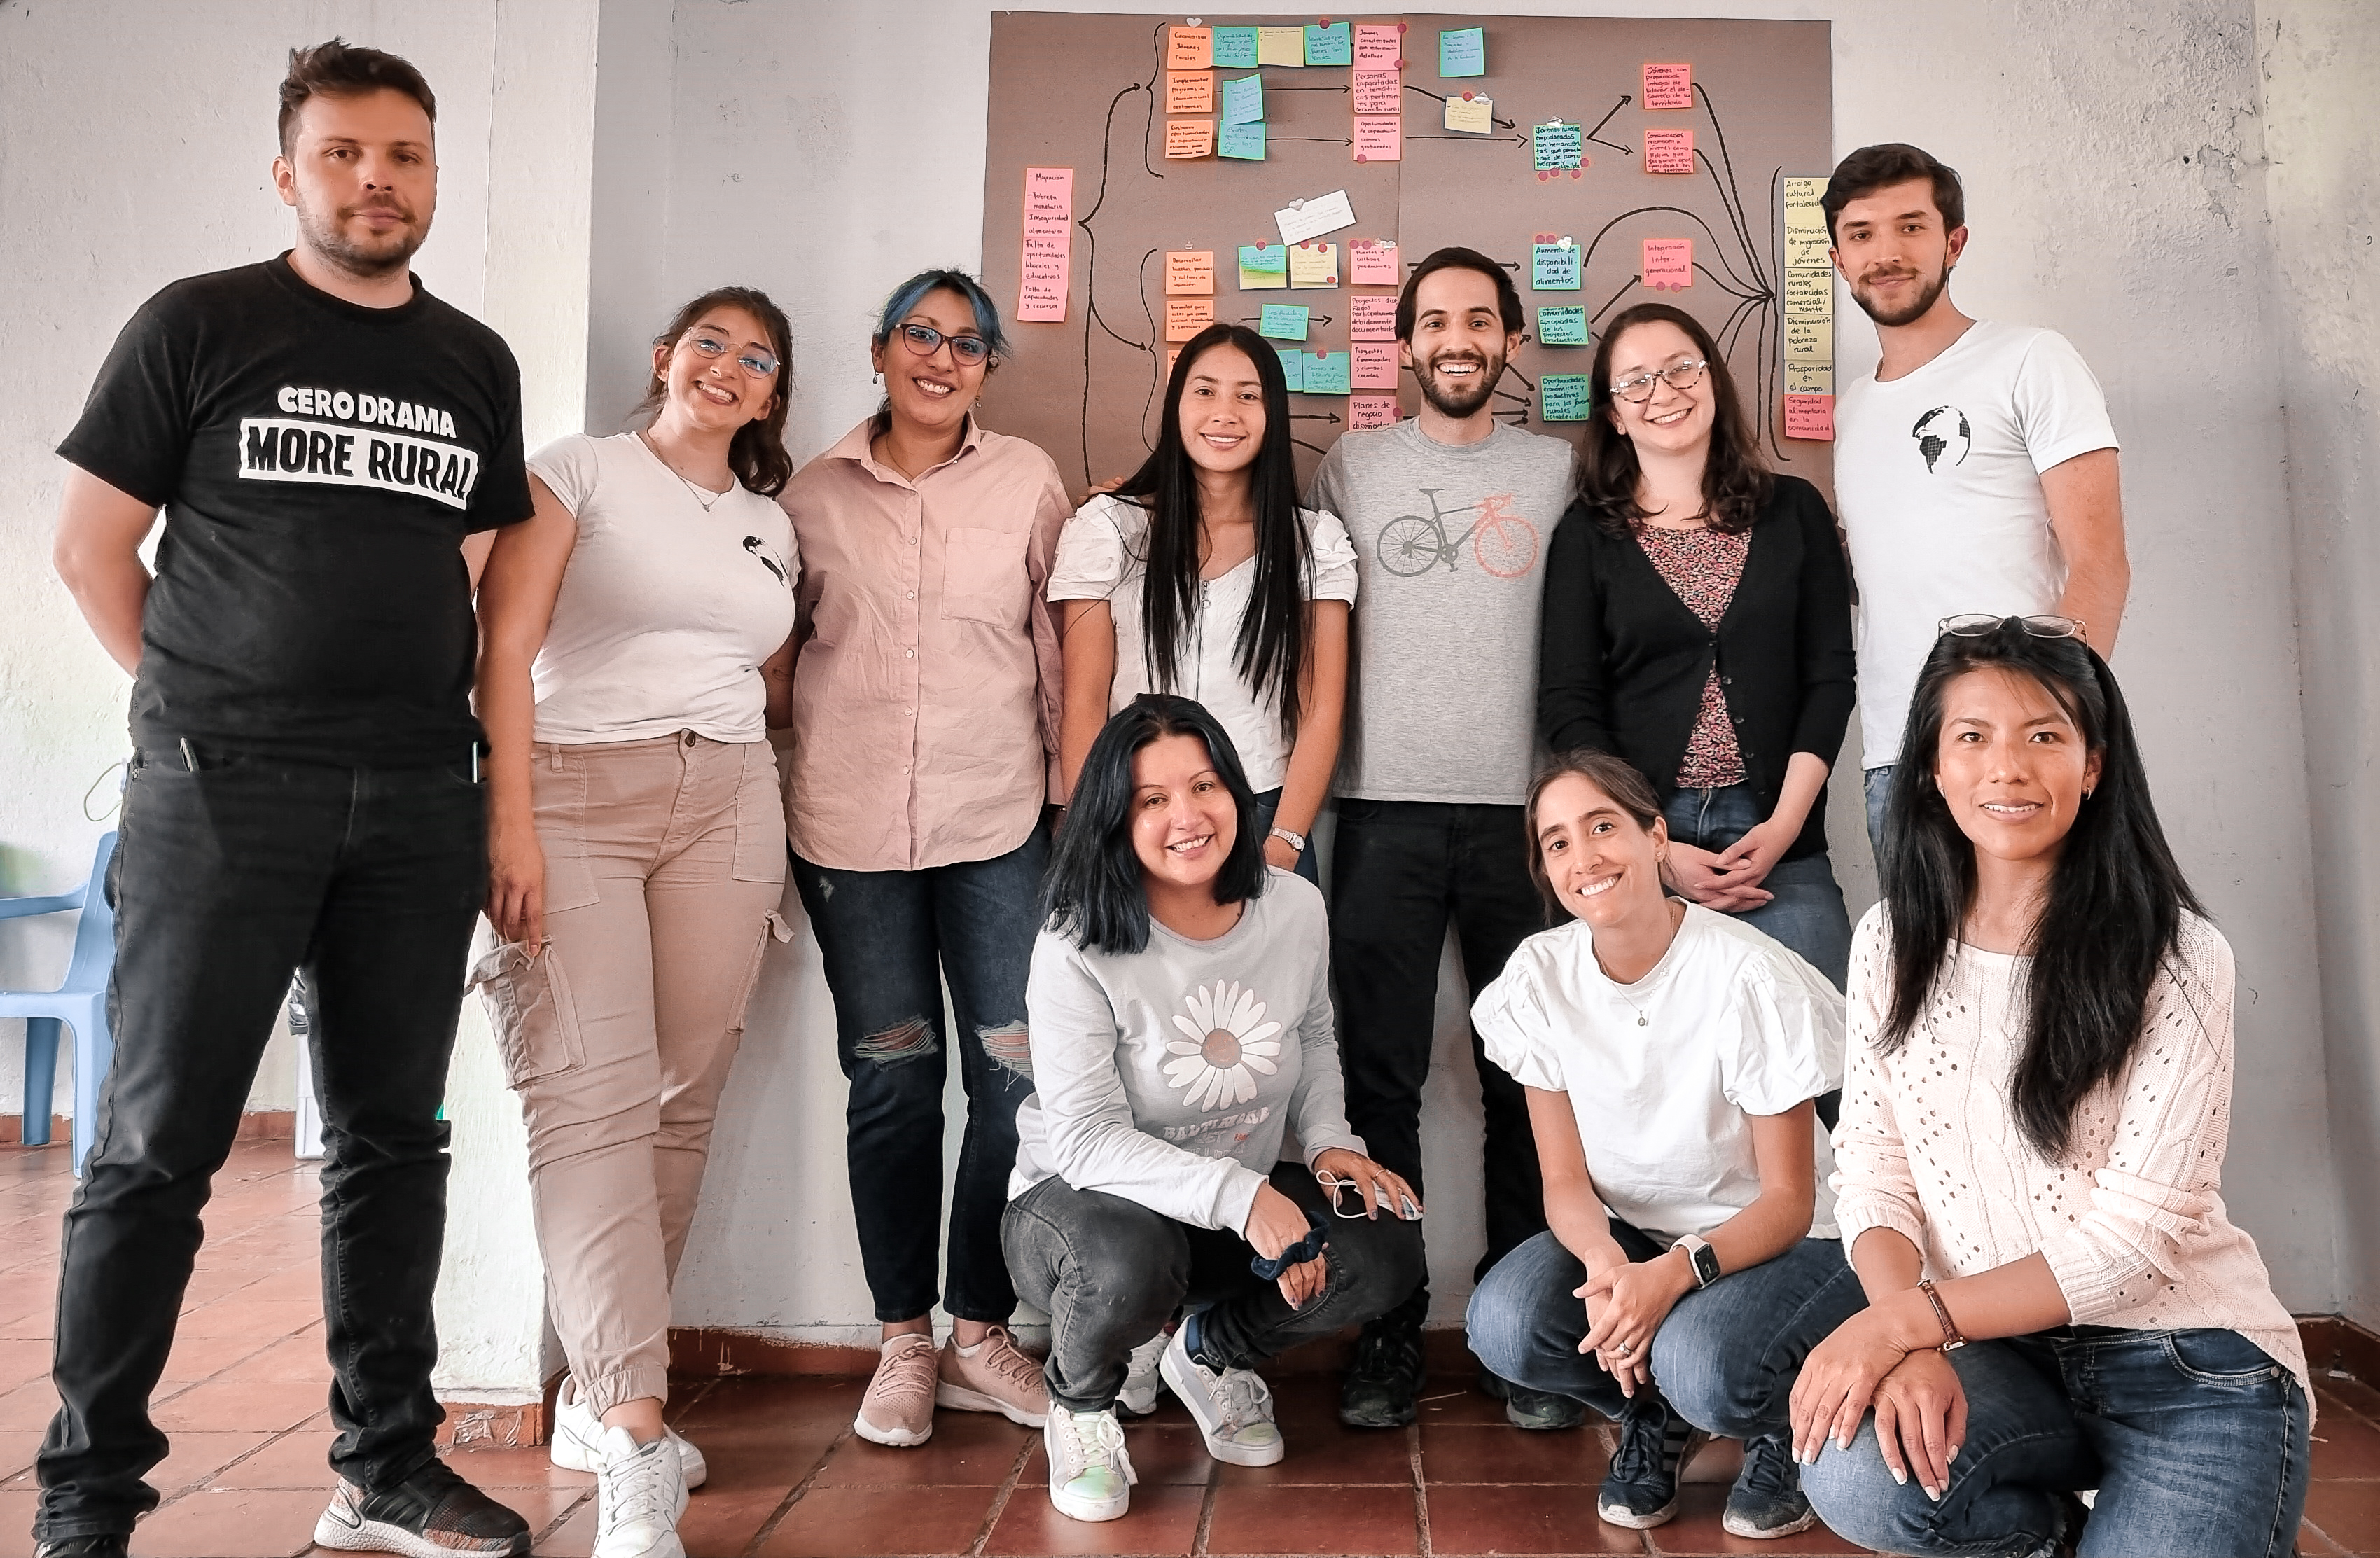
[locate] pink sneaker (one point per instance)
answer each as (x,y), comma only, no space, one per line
(899,1407)
(1000,1377)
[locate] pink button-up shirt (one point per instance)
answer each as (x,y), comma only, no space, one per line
(926,690)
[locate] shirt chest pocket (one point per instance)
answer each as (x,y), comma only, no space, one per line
(984,577)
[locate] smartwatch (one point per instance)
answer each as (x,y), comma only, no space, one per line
(1701,1257)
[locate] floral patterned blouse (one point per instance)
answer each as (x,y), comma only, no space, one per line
(1701,568)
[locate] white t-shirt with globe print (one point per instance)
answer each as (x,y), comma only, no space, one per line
(1171,1076)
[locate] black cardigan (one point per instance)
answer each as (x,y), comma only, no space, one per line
(1624,660)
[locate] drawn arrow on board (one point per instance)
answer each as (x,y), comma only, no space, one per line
(1317,319)
(1475,139)
(1313,416)
(1615,298)
(1499,118)
(1342,90)
(1625,99)
(1318,140)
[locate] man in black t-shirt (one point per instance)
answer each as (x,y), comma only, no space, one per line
(326,440)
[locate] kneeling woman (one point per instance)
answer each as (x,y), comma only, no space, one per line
(2031,1152)
(1671,1054)
(1181,1016)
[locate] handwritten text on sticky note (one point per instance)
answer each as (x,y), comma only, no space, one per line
(1048,242)
(1263,266)
(1281,45)
(1669,85)
(1668,151)
(1471,115)
(1282,322)
(1558,146)
(1561,327)
(1372,261)
(1189,91)
(1562,397)
(1331,44)
(1184,317)
(1326,372)
(1463,52)
(1189,138)
(1245,142)
(1189,48)
(1668,264)
(1313,264)
(1293,366)
(1810,341)
(1810,293)
(1379,46)
(1811,416)
(1380,140)
(1190,272)
(1235,48)
(1371,319)
(1553,267)
(1243,100)
(1374,365)
(1366,411)
(1379,92)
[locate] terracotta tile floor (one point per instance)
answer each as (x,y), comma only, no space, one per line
(243,1399)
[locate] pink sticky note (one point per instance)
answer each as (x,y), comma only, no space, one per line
(1811,416)
(1049,244)
(1380,140)
(1668,151)
(1669,85)
(1371,319)
(1372,261)
(1371,410)
(1668,264)
(1380,47)
(1374,365)
(1379,92)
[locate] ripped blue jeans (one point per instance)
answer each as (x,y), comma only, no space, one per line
(891,938)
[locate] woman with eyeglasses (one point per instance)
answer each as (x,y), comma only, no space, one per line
(1697,623)
(925,719)
(1181,1012)
(1672,1056)
(2029,1168)
(636,647)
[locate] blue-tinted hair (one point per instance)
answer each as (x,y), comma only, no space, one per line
(910,293)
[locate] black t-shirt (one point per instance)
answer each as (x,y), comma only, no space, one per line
(320,464)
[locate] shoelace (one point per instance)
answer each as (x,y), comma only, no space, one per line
(1246,1398)
(1099,1449)
(905,1375)
(1008,1361)
(1645,1450)
(1386,1353)
(635,1491)
(1768,1468)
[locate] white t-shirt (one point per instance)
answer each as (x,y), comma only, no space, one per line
(1102,555)
(665,611)
(1938,476)
(1734,1025)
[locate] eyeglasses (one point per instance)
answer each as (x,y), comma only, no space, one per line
(1678,375)
(1977,624)
(759,364)
(1332,1186)
(925,340)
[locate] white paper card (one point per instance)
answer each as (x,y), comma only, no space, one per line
(1311,219)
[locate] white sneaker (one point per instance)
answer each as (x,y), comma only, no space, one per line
(1232,1407)
(638,1496)
(577,1440)
(1091,1472)
(1142,1386)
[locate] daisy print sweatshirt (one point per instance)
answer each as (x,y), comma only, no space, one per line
(1169,1077)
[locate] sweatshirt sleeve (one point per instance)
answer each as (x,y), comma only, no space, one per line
(1873,1185)
(1318,1107)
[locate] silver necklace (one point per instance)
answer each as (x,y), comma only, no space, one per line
(705,502)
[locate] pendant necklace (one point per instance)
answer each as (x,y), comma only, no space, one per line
(698,492)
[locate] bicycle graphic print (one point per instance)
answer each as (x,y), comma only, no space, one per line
(1504,543)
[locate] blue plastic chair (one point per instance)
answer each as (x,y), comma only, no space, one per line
(80,1002)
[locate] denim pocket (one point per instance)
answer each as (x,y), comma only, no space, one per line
(759,818)
(531,1007)
(2211,1357)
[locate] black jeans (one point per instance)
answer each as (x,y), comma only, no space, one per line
(1400,871)
(1110,1272)
(229,875)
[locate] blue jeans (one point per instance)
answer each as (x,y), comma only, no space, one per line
(2195,1440)
(1875,787)
(1807,912)
(1268,807)
(1726,1358)
(890,939)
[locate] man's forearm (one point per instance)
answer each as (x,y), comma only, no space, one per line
(111,595)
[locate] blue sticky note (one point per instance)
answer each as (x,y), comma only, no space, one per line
(1463,52)
(1561,327)
(1243,101)
(1326,372)
(1282,322)
(1553,268)
(1558,146)
(1235,48)
(1293,366)
(1562,398)
(1334,44)
(1246,143)
(1269,259)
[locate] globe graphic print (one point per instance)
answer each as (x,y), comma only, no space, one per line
(1943,431)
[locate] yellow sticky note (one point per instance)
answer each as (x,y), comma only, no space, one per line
(1474,116)
(1810,293)
(1805,379)
(1189,91)
(1801,203)
(1810,342)
(1313,265)
(1189,138)
(1281,45)
(1190,272)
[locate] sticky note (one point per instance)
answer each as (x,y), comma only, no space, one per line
(1804,379)
(1668,264)
(1805,247)
(1372,261)
(1669,85)
(1379,92)
(1049,245)
(1235,48)
(1371,319)
(1562,326)
(1189,48)
(1472,115)
(1312,218)
(1372,410)
(1189,138)
(1331,44)
(1293,366)
(1282,322)
(1263,266)
(1380,140)
(1326,372)
(1244,142)
(1811,416)
(1559,145)
(1189,91)
(1172,356)
(1184,317)
(1374,365)
(1810,341)
(1380,47)
(1810,293)
(1281,45)
(1805,223)
(1668,151)
(1190,272)
(1562,397)
(1313,264)
(1243,100)
(1553,267)
(1463,52)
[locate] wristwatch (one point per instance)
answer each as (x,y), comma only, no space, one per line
(1701,1257)
(1295,841)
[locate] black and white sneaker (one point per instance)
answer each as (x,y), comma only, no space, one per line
(432,1514)
(1767,1501)
(1539,1411)
(1641,1491)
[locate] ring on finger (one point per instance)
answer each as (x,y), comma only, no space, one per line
(1623,1349)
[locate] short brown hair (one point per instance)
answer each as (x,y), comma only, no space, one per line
(1508,297)
(1873,167)
(1615,777)
(341,70)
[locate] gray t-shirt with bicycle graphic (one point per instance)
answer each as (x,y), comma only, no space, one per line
(1451,549)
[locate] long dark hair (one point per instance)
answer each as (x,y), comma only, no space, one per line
(1271,654)
(2116,898)
(756,454)
(1735,482)
(1093,894)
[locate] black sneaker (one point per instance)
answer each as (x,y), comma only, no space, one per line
(432,1514)
(1524,1408)
(1655,1444)
(107,1546)
(1767,1499)
(1384,1383)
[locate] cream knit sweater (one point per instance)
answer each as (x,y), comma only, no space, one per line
(2131,1222)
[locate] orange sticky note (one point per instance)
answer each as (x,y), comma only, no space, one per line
(1372,261)
(1184,317)
(1379,92)
(1371,410)
(1668,151)
(1189,91)
(1172,356)
(1374,365)
(1380,140)
(1669,85)
(1668,264)
(1189,48)
(1049,245)
(1189,138)
(1811,416)
(1379,46)
(1190,272)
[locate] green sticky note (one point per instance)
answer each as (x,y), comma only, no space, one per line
(1334,44)
(1463,52)
(1561,327)
(1244,142)
(1293,366)
(1553,267)
(1265,258)
(1558,146)
(1326,372)
(1235,48)
(1282,322)
(1562,398)
(1243,101)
